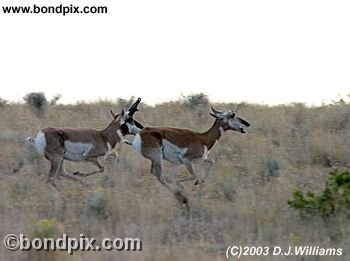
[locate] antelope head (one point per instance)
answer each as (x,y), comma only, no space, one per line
(231,122)
(126,120)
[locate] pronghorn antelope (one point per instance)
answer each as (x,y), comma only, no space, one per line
(59,144)
(183,146)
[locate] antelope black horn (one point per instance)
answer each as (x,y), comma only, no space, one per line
(133,107)
(215,111)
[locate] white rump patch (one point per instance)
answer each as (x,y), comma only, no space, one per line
(76,151)
(173,153)
(137,143)
(40,142)
(221,129)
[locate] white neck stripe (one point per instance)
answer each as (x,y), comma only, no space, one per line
(221,131)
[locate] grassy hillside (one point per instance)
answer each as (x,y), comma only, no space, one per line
(243,202)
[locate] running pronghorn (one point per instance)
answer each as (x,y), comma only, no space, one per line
(84,145)
(183,146)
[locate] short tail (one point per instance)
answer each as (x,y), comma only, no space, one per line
(127,142)
(29,141)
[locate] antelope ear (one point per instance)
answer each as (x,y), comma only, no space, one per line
(113,114)
(216,117)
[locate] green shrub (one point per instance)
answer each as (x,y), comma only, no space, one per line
(37,101)
(334,199)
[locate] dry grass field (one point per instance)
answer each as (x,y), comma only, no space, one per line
(243,202)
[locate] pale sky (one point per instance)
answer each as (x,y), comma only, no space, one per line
(268,52)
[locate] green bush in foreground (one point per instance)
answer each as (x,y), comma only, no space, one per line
(334,199)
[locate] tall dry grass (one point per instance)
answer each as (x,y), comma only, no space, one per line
(243,202)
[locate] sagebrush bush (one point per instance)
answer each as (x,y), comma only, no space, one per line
(46,228)
(195,100)
(227,187)
(126,103)
(3,102)
(270,168)
(55,99)
(97,204)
